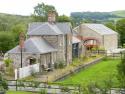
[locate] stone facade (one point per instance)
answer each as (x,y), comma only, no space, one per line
(108,41)
(47,59)
(63,43)
(16,58)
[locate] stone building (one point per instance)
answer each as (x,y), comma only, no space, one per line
(46,43)
(98,34)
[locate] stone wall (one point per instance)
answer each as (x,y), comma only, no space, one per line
(43,59)
(16,57)
(63,43)
(106,41)
(69,48)
(86,32)
(53,40)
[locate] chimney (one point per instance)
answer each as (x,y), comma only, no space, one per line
(52,16)
(22,39)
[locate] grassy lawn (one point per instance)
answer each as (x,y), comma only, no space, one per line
(105,70)
(19,92)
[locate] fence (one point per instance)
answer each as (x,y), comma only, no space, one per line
(51,88)
(26,71)
(115,55)
(112,55)
(98,51)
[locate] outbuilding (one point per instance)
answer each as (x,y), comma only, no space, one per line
(105,37)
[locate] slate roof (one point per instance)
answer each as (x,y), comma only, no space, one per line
(101,29)
(45,28)
(35,45)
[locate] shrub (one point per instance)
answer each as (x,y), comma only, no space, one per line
(36,84)
(94,49)
(121,72)
(43,91)
(64,89)
(10,70)
(3,83)
(59,65)
(101,48)
(21,83)
(56,65)
(8,62)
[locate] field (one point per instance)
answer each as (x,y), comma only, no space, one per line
(105,70)
(19,92)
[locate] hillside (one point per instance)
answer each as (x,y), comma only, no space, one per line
(9,20)
(120,13)
(97,17)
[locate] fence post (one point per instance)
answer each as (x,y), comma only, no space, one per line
(16,85)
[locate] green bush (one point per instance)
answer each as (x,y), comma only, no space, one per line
(64,89)
(56,65)
(3,83)
(43,91)
(59,65)
(10,70)
(101,48)
(21,83)
(8,62)
(121,72)
(94,49)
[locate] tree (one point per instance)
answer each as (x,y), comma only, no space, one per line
(41,11)
(7,41)
(120,26)
(16,30)
(3,26)
(121,72)
(110,25)
(63,18)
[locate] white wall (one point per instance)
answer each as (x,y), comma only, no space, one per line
(26,71)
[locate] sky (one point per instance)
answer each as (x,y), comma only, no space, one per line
(25,7)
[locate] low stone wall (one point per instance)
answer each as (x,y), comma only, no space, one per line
(77,69)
